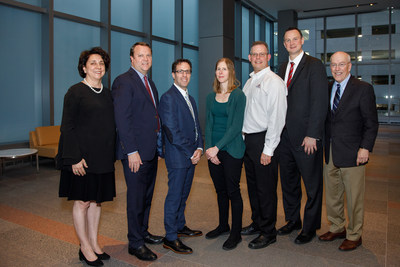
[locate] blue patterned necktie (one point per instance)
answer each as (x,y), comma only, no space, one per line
(336,99)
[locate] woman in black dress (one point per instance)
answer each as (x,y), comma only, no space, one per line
(86,151)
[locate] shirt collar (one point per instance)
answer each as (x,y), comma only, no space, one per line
(182,91)
(343,83)
(139,73)
(260,73)
(297,59)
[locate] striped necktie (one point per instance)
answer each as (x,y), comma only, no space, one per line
(336,99)
(289,79)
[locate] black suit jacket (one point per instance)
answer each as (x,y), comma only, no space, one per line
(354,124)
(136,117)
(307,100)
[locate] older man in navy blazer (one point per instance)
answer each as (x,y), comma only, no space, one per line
(183,149)
(351,129)
(138,127)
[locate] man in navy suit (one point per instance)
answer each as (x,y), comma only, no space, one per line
(351,128)
(183,149)
(300,149)
(138,127)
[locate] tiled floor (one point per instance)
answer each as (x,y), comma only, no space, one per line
(36,226)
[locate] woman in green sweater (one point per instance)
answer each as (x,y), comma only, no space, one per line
(225,148)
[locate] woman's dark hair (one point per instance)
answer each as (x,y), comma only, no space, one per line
(83,58)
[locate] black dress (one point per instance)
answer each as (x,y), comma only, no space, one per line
(87,132)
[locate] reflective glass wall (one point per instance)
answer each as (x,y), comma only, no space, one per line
(41,44)
(373,42)
(252,24)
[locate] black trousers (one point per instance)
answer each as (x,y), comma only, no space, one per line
(294,164)
(226,178)
(261,184)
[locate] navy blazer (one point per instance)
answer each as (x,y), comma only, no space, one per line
(307,100)
(136,117)
(354,125)
(179,128)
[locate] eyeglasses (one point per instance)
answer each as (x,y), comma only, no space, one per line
(258,54)
(340,65)
(183,71)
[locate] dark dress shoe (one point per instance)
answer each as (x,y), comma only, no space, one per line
(262,241)
(289,227)
(177,246)
(217,232)
(96,262)
(104,256)
(250,230)
(153,239)
(143,253)
(329,236)
(232,242)
(348,245)
(186,231)
(304,238)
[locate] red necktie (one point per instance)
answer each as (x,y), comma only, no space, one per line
(151,96)
(289,79)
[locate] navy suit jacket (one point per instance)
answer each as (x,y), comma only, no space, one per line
(307,100)
(354,125)
(136,117)
(179,128)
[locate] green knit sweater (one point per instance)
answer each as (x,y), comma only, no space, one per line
(232,141)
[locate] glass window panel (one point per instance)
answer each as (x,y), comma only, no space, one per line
(163,57)
(67,48)
(394,89)
(245,32)
(127,14)
(381,91)
(193,56)
(245,73)
(256,27)
(395,37)
(20,74)
(191,22)
(120,48)
(383,29)
(89,9)
(368,42)
(268,34)
(164,18)
(344,43)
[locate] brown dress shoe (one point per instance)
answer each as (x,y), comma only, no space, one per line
(329,236)
(350,245)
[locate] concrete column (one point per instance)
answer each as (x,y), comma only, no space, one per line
(216,40)
(286,19)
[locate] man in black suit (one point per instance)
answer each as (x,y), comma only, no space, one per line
(351,129)
(138,127)
(300,149)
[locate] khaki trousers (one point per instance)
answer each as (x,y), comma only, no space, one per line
(351,181)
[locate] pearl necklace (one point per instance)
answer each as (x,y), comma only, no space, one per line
(97,92)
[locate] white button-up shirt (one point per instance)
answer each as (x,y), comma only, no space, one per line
(265,107)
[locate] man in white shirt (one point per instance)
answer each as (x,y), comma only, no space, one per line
(264,119)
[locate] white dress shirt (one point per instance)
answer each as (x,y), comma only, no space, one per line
(296,61)
(265,107)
